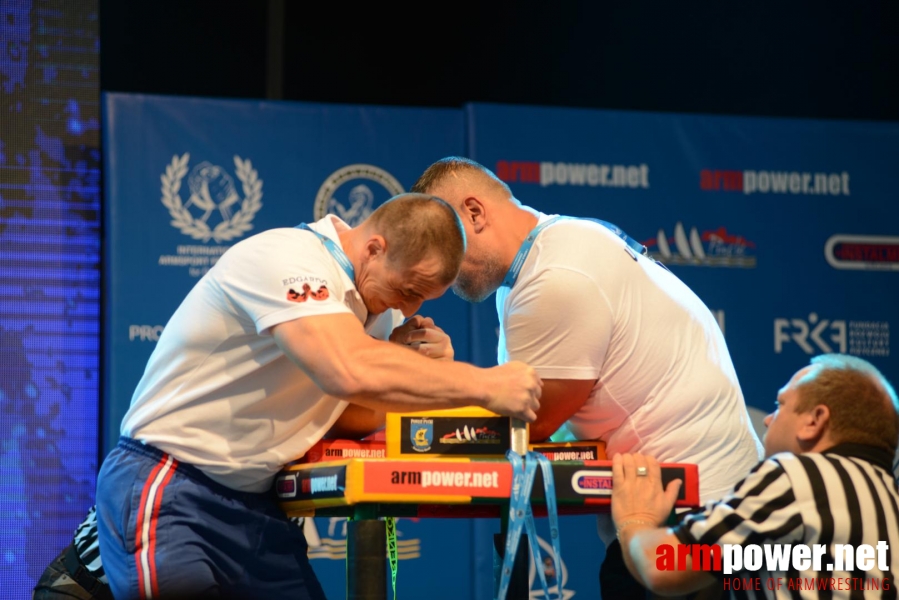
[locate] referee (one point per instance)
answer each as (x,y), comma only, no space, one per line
(827,480)
(77,572)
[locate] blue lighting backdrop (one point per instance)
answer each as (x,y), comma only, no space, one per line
(786,228)
(49,280)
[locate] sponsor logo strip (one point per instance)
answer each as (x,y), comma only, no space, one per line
(460,480)
(547,173)
(815,334)
(775,182)
(453,482)
(862,252)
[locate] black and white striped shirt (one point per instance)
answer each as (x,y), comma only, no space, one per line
(846,495)
(88,547)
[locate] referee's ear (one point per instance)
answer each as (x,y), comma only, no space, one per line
(813,428)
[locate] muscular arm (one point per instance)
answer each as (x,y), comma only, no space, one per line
(357,421)
(343,361)
(639,545)
(560,400)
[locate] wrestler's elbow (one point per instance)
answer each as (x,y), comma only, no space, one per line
(540,430)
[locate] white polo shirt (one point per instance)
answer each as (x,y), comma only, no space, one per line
(584,308)
(218,392)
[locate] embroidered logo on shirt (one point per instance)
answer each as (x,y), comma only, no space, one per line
(321,294)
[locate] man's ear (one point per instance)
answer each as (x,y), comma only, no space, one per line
(813,425)
(375,247)
(473,212)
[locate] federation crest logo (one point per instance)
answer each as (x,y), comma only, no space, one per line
(214,209)
(421,434)
(352,192)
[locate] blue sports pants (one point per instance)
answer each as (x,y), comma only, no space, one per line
(168,531)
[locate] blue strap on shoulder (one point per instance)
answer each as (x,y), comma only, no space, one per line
(634,247)
(336,251)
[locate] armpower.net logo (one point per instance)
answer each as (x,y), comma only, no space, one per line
(750,181)
(819,568)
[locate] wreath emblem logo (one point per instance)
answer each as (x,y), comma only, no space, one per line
(347,192)
(213,192)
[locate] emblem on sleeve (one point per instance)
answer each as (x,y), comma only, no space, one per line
(320,294)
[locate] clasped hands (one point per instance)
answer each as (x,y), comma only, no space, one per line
(421,334)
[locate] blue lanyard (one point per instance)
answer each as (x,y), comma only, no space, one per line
(512,274)
(515,269)
(521,515)
(335,250)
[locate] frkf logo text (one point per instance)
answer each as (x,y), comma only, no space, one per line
(812,331)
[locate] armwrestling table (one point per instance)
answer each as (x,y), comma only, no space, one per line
(364,490)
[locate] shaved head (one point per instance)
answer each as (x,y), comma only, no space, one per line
(495,222)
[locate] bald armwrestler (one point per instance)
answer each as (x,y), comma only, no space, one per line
(628,354)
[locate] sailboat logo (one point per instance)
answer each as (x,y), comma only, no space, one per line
(711,248)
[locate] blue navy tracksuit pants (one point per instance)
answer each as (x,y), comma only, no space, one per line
(168,531)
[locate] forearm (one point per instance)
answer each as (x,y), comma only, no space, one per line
(393,379)
(343,361)
(561,399)
(636,540)
(382,376)
(639,547)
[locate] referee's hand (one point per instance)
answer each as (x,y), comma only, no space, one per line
(637,494)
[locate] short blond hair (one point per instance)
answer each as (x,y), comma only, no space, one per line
(418,226)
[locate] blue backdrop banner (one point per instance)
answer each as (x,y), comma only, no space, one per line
(787,229)
(186,178)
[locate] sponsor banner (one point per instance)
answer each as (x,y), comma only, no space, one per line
(862,252)
(571,450)
(340,449)
(465,480)
(817,335)
(186,178)
(788,567)
(767,220)
(455,481)
(711,248)
(455,436)
(774,182)
(318,484)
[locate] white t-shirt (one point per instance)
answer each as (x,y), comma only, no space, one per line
(218,392)
(583,307)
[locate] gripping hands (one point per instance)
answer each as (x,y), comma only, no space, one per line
(514,390)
